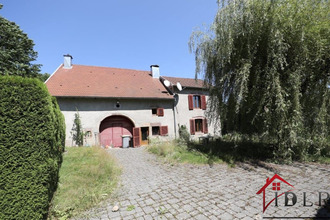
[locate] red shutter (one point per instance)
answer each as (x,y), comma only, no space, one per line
(160,112)
(205,128)
(190,102)
(136,137)
(203,102)
(192,126)
(163,130)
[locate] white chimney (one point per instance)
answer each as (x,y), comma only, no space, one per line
(155,71)
(68,61)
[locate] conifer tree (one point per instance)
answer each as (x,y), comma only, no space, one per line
(77,130)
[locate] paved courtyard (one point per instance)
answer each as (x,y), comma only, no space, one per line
(154,190)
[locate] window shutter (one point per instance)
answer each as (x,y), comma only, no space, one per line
(205,128)
(190,102)
(163,130)
(160,112)
(192,126)
(136,137)
(203,102)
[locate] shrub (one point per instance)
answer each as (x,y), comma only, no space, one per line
(32,137)
(77,130)
(184,134)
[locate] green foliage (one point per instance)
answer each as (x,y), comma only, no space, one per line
(235,147)
(268,64)
(173,152)
(16,51)
(88,175)
(43,76)
(184,134)
(31,145)
(77,130)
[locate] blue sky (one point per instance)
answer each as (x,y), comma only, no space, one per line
(115,33)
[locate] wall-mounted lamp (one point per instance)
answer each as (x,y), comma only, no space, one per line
(117,104)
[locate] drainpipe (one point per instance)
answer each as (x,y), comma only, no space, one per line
(170,89)
(174,117)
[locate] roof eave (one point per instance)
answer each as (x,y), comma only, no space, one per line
(112,97)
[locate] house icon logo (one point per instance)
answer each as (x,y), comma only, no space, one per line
(273,184)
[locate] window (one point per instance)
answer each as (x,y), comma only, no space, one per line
(158,111)
(155,130)
(198,125)
(196,102)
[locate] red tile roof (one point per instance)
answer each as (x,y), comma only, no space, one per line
(92,81)
(186,82)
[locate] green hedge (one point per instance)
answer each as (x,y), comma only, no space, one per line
(32,135)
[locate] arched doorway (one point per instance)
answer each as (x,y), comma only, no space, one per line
(113,128)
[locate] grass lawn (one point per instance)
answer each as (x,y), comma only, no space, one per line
(88,175)
(222,152)
(174,151)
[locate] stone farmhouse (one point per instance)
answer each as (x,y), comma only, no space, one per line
(114,103)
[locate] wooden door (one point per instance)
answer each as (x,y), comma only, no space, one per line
(117,132)
(112,129)
(136,137)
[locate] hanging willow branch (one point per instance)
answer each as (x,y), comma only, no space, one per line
(268,64)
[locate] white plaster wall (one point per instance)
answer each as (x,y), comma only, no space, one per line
(183,114)
(93,110)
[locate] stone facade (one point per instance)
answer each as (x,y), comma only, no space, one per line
(93,111)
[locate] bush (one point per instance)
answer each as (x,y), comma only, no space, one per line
(32,137)
(237,147)
(184,134)
(234,147)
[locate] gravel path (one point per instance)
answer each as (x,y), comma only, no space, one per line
(154,190)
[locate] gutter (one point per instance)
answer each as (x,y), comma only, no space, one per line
(113,97)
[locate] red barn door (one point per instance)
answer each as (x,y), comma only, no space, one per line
(113,128)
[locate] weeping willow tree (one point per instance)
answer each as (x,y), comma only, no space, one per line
(268,64)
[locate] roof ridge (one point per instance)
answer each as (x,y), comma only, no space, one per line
(108,67)
(181,77)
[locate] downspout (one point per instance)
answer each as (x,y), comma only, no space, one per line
(175,96)
(171,91)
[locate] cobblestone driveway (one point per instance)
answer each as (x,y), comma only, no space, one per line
(154,190)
